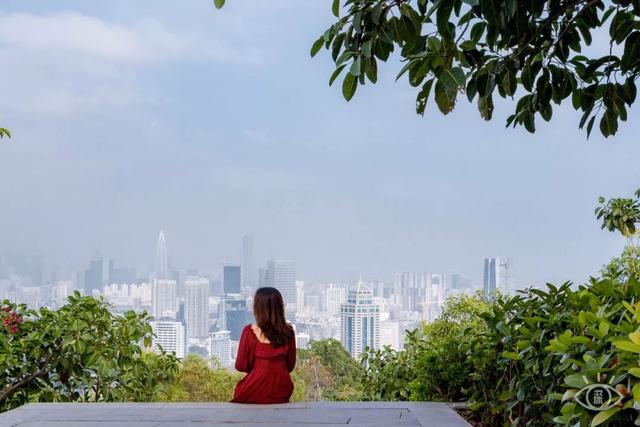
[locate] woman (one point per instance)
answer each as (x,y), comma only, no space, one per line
(267,353)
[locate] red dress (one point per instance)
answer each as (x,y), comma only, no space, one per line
(267,368)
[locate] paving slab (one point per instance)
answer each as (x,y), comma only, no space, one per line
(202,414)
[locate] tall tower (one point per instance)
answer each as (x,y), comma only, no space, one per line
(281,274)
(196,307)
(231,278)
(164,298)
(246,265)
(162,264)
(360,321)
(497,275)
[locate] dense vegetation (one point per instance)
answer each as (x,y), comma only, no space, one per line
(81,352)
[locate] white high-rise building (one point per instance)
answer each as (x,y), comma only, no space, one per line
(302,340)
(196,307)
(359,321)
(300,298)
(164,298)
(336,296)
(436,294)
(170,335)
(498,275)
(220,347)
(162,260)
(281,274)
(247,267)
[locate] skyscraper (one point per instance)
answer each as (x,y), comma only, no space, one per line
(410,289)
(246,263)
(93,276)
(436,293)
(196,307)
(235,314)
(162,263)
(336,296)
(281,274)
(220,347)
(170,335)
(164,298)
(231,281)
(359,321)
(497,275)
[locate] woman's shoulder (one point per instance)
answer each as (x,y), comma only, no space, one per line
(248,330)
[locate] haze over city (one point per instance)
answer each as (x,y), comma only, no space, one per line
(132,117)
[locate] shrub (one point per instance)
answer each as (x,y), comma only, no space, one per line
(80,352)
(542,347)
(196,381)
(433,364)
(328,372)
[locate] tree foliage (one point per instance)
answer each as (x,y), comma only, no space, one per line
(329,372)
(80,352)
(433,364)
(529,51)
(196,381)
(627,265)
(4,133)
(622,214)
(535,53)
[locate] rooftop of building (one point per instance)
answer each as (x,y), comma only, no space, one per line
(326,414)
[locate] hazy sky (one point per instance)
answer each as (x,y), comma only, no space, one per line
(132,116)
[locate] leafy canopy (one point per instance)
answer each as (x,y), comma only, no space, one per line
(80,352)
(531,52)
(622,214)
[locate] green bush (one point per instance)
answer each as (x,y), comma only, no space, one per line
(522,360)
(326,371)
(81,352)
(433,364)
(196,381)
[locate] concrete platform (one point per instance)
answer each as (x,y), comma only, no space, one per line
(324,414)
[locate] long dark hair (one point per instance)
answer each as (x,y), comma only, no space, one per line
(268,309)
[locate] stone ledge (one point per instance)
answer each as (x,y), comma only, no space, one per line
(325,414)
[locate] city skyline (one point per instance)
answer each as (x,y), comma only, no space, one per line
(366,186)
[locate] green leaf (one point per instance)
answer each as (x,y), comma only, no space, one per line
(636,392)
(317,45)
(577,380)
(445,99)
(335,8)
(510,355)
(349,86)
(442,18)
(590,126)
(627,346)
(509,83)
(371,69)
(452,78)
(336,73)
(603,416)
(423,97)
(219,3)
(609,123)
(356,66)
(485,106)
